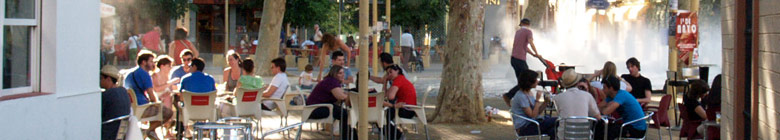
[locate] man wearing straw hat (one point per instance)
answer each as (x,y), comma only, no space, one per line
(115,101)
(576,101)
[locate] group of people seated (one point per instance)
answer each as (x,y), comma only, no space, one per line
(161,78)
(399,91)
(599,96)
(155,79)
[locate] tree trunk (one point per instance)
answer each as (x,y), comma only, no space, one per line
(270,28)
(460,97)
(535,11)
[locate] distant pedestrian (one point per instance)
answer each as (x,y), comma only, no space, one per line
(318,36)
(151,40)
(181,43)
(407,46)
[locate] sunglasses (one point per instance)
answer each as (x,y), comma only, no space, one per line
(188,59)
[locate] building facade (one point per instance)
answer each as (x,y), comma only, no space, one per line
(50,46)
(751,59)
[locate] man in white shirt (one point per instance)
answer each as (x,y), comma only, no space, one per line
(278,84)
(575,101)
(407,46)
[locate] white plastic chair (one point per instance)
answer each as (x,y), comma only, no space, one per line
(280,110)
(199,106)
(247,104)
(293,91)
(139,109)
(308,109)
(419,111)
(376,110)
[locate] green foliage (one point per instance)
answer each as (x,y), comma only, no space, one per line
(173,9)
(418,13)
(309,12)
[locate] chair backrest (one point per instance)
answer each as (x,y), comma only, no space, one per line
(375,108)
(712,112)
(661,118)
(133,103)
(576,127)
(683,111)
(247,102)
(199,106)
(292,92)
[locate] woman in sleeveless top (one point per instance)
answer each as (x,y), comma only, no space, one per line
(232,73)
(180,43)
(163,87)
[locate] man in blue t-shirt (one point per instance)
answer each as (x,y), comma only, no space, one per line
(626,105)
(140,81)
(197,81)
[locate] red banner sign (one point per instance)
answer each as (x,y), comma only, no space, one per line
(687,34)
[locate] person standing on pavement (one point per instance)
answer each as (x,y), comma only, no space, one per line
(317,36)
(151,40)
(179,44)
(407,46)
(523,37)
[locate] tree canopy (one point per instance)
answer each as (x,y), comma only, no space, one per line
(418,13)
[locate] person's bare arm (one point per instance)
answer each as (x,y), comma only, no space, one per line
(392,92)
(533,47)
(225,75)
(339,93)
(150,94)
(610,107)
(537,109)
(700,111)
(376,79)
(269,91)
(646,99)
(159,86)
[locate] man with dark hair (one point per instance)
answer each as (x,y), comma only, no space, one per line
(337,59)
(641,87)
(115,101)
(387,60)
(626,105)
(181,70)
(197,81)
(278,85)
(141,83)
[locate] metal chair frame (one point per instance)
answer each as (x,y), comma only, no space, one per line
(578,127)
(620,134)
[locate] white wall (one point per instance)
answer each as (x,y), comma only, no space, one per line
(69,69)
